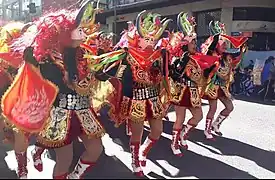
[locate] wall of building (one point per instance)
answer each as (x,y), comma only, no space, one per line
(18,9)
(226,7)
(49,5)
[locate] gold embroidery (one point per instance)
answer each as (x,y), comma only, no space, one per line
(157,108)
(56,131)
(90,123)
(177,91)
(140,75)
(138,110)
(212,92)
(124,106)
(195,97)
(224,71)
(83,86)
(195,71)
(121,71)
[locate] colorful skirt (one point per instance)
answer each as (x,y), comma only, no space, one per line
(216,92)
(64,126)
(123,108)
(183,95)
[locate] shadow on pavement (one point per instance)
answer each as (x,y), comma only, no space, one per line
(6,173)
(232,147)
(192,164)
(106,167)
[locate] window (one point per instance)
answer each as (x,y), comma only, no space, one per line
(262,42)
(203,19)
(120,27)
(253,14)
(172,26)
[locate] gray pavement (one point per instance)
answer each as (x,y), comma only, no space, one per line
(247,150)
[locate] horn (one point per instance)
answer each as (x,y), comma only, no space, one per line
(82,11)
(97,4)
(26,27)
(162,29)
(138,23)
(184,24)
(212,28)
(163,20)
(99,34)
(179,21)
(153,25)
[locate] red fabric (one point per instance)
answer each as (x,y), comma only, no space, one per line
(205,61)
(28,101)
(91,48)
(185,100)
(145,57)
(237,42)
(12,58)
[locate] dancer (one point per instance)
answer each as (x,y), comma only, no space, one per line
(189,71)
(220,83)
(60,60)
(137,72)
(9,65)
(99,43)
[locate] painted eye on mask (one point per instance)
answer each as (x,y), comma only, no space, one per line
(78,34)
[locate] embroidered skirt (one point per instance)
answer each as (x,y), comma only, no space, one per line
(184,95)
(215,92)
(64,126)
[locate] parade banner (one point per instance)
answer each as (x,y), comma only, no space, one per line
(257,72)
(27,103)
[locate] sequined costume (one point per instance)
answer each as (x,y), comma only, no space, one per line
(189,73)
(63,64)
(219,86)
(138,72)
(97,44)
(9,64)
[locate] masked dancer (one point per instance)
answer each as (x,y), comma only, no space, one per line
(218,89)
(9,64)
(60,60)
(189,72)
(138,72)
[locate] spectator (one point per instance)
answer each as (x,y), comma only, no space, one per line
(236,86)
(269,95)
(250,67)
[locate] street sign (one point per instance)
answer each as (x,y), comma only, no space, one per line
(246,33)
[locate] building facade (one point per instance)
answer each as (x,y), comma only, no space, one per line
(18,10)
(253,18)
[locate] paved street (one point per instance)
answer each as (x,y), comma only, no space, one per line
(247,150)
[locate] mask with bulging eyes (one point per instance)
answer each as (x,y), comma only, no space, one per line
(146,43)
(78,34)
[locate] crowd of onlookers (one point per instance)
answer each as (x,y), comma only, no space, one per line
(243,81)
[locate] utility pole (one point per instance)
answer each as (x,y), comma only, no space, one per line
(115,21)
